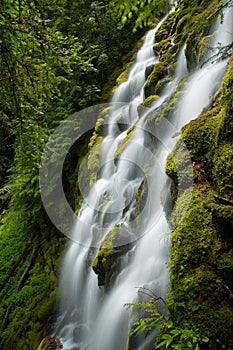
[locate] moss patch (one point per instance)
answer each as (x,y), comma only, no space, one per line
(158,73)
(124,142)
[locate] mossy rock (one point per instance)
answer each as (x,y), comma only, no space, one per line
(225,268)
(157,74)
(199,272)
(162,47)
(124,143)
(93,163)
(145,105)
(191,52)
(180,169)
(194,240)
(223,168)
(183,21)
(226,126)
(149,101)
(167,112)
(149,70)
(50,343)
(200,134)
(165,29)
(202,47)
(141,197)
(107,262)
(223,219)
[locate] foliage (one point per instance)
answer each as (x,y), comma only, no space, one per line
(179,339)
(144,13)
(156,315)
(160,318)
(55,59)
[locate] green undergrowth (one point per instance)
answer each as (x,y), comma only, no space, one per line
(29,296)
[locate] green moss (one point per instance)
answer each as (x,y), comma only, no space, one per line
(172,104)
(141,196)
(200,134)
(166,29)
(183,22)
(191,52)
(45,344)
(124,142)
(202,47)
(164,47)
(196,219)
(36,304)
(122,78)
(157,74)
(226,126)
(94,161)
(179,168)
(225,262)
(223,167)
(103,264)
(180,207)
(196,283)
(145,105)
(149,101)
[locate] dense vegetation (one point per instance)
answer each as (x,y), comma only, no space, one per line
(60,57)
(56,58)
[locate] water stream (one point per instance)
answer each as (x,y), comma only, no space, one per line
(91,318)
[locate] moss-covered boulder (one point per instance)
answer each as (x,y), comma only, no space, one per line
(107,262)
(159,72)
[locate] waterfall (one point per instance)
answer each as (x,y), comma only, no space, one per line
(91,318)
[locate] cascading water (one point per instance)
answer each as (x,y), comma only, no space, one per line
(92,319)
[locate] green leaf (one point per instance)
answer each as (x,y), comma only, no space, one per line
(205,339)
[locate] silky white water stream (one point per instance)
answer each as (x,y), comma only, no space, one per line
(92,319)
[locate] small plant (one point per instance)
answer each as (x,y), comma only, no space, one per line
(158,315)
(179,339)
(155,319)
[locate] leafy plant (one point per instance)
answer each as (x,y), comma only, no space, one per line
(155,318)
(158,315)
